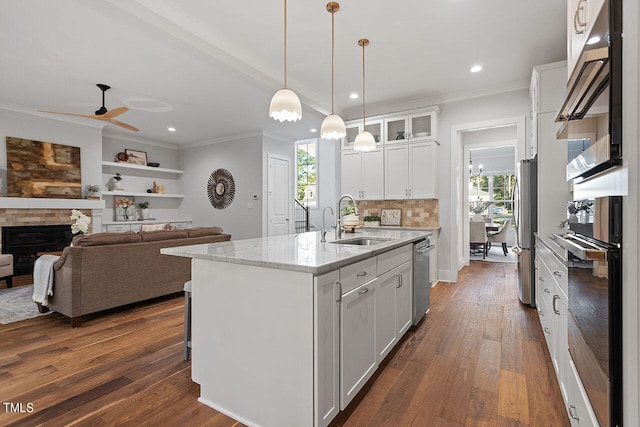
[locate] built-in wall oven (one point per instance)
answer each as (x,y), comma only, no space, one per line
(595,301)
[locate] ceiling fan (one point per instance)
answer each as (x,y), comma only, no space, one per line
(103,114)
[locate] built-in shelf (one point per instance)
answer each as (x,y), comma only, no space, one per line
(140,194)
(44,203)
(134,167)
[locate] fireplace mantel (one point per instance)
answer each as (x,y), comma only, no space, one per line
(42,203)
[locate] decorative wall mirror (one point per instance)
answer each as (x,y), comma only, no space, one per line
(221,188)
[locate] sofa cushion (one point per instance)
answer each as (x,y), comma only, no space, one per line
(156,227)
(154,236)
(100,239)
(204,231)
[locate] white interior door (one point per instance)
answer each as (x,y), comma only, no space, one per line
(279,197)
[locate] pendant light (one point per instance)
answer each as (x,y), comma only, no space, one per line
(285,104)
(333,126)
(364,141)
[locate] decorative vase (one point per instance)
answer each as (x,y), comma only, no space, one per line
(478,217)
(351,220)
(117,185)
(372,223)
(400,135)
(573,218)
(144,213)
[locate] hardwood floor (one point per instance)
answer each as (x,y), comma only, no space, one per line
(478,359)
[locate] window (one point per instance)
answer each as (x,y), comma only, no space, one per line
(495,189)
(307,173)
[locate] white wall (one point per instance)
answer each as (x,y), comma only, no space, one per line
(244,159)
(38,128)
(484,109)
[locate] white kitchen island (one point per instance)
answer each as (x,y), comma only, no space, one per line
(287,329)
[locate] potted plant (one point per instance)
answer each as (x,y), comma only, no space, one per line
(372,221)
(349,217)
(117,182)
(91,191)
(144,209)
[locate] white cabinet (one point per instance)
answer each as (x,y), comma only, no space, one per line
(404,298)
(362,174)
(581,18)
(580,411)
(410,171)
(421,126)
(327,344)
(386,335)
(354,128)
(358,358)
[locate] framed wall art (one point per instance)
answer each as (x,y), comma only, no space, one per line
(390,216)
(136,157)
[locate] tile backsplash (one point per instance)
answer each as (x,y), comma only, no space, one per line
(424,212)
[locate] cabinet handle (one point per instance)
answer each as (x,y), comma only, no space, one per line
(541,279)
(363,291)
(547,290)
(541,313)
(339,291)
(361,274)
(547,330)
(557,273)
(555,298)
(577,23)
(399,282)
(573,412)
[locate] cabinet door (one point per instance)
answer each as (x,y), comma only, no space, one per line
(396,129)
(351,173)
(422,175)
(386,336)
(358,359)
(561,344)
(396,175)
(326,343)
(353,129)
(373,175)
(423,126)
(404,298)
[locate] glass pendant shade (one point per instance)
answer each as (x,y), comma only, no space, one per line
(364,142)
(333,127)
(285,106)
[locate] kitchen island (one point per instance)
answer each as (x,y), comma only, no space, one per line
(287,329)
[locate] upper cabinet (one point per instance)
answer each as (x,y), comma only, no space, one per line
(416,125)
(581,18)
(354,128)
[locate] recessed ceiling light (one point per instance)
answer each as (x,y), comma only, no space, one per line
(171,129)
(314,130)
(354,96)
(593,40)
(476,68)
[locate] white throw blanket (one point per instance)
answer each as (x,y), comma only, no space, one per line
(43,278)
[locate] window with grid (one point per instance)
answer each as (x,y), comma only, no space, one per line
(307,172)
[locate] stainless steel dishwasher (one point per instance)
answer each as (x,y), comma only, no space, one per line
(421,254)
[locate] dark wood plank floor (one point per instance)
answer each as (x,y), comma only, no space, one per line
(479,359)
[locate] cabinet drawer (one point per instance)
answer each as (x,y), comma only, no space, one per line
(393,258)
(118,227)
(357,273)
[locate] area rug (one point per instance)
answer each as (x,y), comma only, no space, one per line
(495,255)
(16,304)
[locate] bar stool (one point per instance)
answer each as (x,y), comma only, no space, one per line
(187,320)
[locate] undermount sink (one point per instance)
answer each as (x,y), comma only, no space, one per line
(362,241)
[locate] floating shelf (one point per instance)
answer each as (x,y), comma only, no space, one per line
(131,166)
(140,194)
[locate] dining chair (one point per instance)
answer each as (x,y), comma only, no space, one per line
(500,236)
(478,237)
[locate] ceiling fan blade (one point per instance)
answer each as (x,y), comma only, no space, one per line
(68,114)
(123,125)
(115,112)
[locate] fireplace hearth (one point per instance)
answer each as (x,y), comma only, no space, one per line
(25,242)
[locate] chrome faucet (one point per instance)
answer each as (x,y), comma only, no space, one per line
(338,216)
(324,230)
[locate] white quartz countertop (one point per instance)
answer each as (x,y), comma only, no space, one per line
(302,252)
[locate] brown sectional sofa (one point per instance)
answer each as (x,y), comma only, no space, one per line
(106,270)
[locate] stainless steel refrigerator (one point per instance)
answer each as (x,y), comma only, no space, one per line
(525,202)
